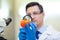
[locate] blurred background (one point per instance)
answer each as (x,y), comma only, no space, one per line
(16,10)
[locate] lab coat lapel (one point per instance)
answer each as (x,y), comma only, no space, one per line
(46,34)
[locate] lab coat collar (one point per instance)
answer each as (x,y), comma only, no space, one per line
(43,28)
(46,34)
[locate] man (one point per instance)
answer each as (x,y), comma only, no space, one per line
(37,30)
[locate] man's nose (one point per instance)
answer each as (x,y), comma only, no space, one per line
(32,16)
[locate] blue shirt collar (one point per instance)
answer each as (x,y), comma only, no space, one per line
(43,28)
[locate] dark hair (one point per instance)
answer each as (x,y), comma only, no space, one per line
(33,4)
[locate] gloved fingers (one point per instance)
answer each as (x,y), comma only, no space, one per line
(27,27)
(22,39)
(22,36)
(23,31)
(33,25)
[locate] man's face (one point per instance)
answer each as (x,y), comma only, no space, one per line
(34,12)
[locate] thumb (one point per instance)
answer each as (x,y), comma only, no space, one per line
(27,27)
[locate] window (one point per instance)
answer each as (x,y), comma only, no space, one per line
(4,9)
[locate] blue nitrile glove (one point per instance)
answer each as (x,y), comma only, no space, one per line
(22,34)
(28,33)
(31,31)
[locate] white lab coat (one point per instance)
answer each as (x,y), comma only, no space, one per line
(50,34)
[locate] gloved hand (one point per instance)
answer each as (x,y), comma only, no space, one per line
(28,33)
(22,34)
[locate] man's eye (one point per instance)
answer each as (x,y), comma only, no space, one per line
(35,13)
(29,14)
